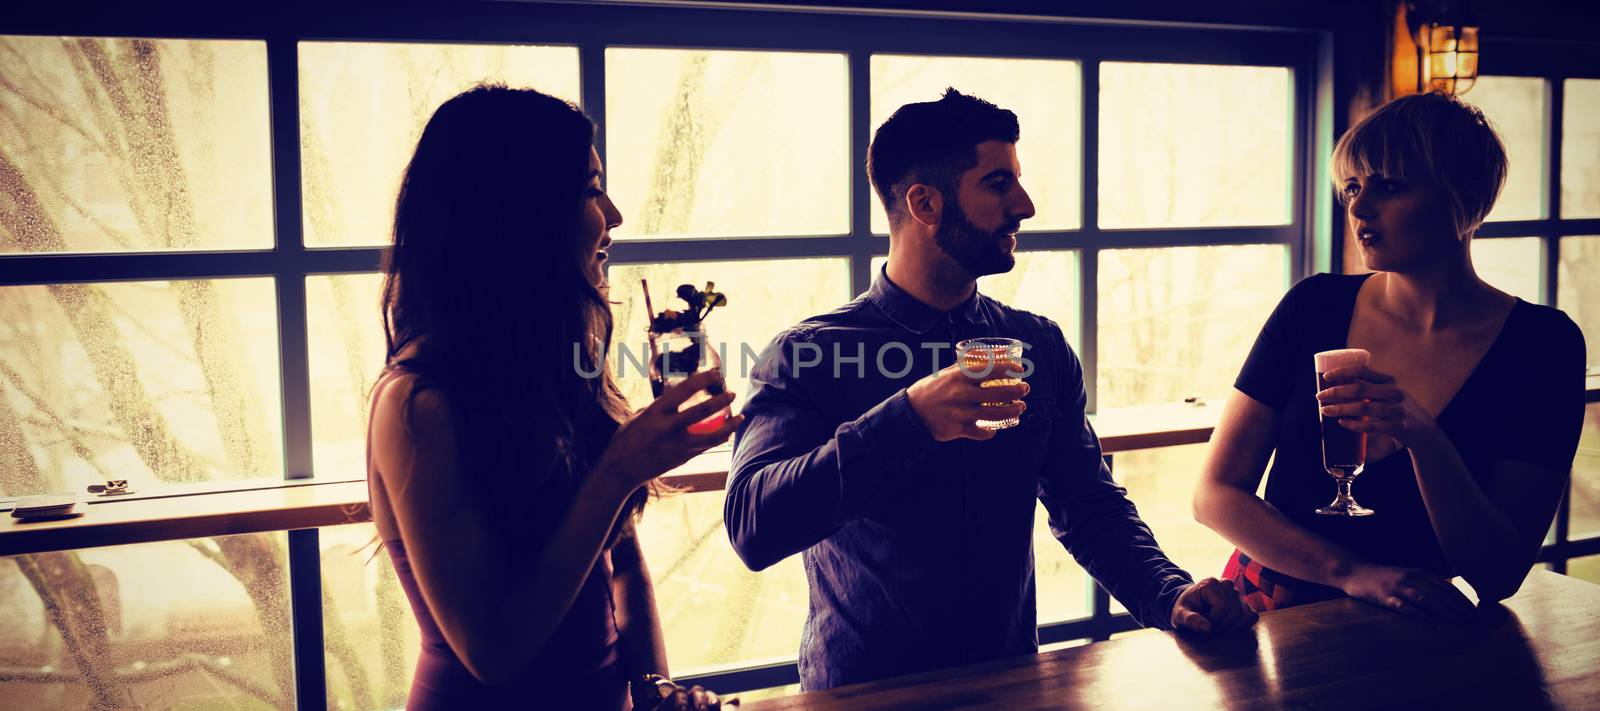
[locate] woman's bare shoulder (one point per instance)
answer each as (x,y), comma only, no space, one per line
(413,436)
(405,404)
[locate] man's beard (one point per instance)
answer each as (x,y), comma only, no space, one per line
(977,250)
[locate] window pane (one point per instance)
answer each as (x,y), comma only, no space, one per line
(715,143)
(369,633)
(154,382)
(714,611)
(1586,568)
(764,297)
(363,107)
(1511,264)
(1579,287)
(1162,482)
(1063,587)
(194,624)
(1516,107)
(1177,322)
(1194,145)
(1585,504)
(1045,283)
(344,322)
(1047,97)
(134,145)
(1580,149)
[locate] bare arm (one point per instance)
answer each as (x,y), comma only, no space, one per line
(644,649)
(1490,534)
(1226,500)
(498,610)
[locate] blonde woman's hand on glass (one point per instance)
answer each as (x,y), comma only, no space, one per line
(1371,401)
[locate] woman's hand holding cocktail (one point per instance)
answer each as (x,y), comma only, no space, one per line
(657,438)
(1366,400)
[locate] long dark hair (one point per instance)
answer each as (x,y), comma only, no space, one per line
(486,284)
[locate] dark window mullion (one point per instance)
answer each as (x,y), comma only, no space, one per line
(592,91)
(28,269)
(701,250)
(1552,268)
(862,203)
(1160,237)
(284,92)
(1302,108)
(304,555)
(1552,235)
(1092,237)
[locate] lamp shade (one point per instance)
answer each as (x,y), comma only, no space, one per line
(1451,60)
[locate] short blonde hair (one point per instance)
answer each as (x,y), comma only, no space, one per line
(1434,137)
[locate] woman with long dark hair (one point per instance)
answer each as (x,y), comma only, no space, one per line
(504,482)
(1471,404)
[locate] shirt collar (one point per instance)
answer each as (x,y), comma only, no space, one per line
(913,315)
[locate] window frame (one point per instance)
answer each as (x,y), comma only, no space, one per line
(1555,63)
(1305,50)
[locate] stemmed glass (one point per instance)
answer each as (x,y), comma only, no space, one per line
(1344,452)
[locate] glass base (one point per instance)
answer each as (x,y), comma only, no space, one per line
(1343,503)
(1345,508)
(1005,424)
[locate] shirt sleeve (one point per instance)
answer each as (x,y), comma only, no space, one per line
(1092,516)
(798,475)
(1546,427)
(1268,372)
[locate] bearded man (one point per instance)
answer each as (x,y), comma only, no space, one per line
(861,447)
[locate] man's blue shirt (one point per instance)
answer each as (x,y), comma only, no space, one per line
(919,553)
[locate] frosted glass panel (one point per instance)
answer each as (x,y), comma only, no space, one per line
(1193,145)
(1063,586)
(1046,283)
(1046,96)
(363,107)
(368,631)
(133,145)
(764,297)
(716,143)
(714,610)
(345,329)
(1585,503)
(1580,148)
(1176,322)
(1162,483)
(196,624)
(1511,264)
(154,382)
(1579,286)
(1516,107)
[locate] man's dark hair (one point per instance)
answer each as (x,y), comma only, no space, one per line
(933,143)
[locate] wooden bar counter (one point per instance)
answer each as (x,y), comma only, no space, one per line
(1540,650)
